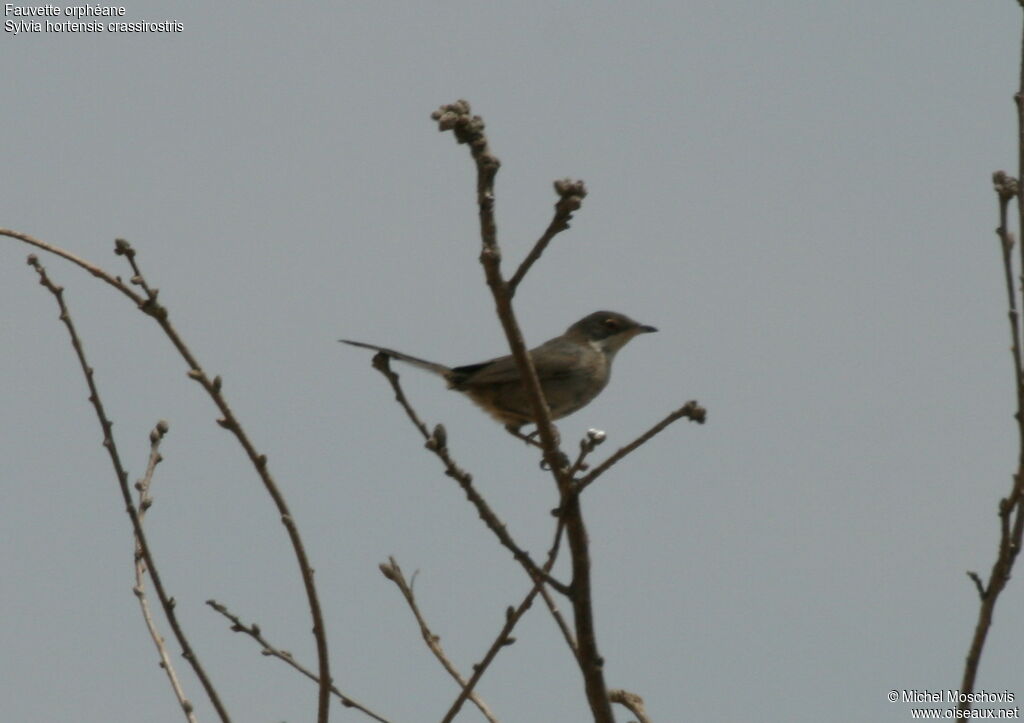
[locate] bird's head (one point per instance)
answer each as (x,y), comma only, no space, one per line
(607,330)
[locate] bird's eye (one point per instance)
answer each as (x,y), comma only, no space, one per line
(611,324)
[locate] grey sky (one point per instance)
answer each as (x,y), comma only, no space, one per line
(797,194)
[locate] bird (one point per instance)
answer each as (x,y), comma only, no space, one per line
(572,368)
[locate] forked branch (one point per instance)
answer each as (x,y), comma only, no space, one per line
(469,129)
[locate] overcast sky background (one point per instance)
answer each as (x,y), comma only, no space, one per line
(797,194)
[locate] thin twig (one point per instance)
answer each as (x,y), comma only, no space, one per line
(563,626)
(145,502)
(549,563)
(254,632)
(978,584)
(166,601)
(594,438)
(691,410)
(632,701)
(570,197)
(437,442)
(393,572)
(1008,188)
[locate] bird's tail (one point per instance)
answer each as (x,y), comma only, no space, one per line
(440,369)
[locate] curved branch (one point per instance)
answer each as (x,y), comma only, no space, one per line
(149,305)
(166,601)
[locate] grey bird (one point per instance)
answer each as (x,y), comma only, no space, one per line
(572,368)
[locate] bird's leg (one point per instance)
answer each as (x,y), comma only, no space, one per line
(530,439)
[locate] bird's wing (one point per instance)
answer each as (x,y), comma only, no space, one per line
(551,360)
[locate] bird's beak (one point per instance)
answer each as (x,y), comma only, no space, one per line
(644,329)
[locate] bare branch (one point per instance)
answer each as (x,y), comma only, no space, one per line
(145,502)
(148,304)
(469,129)
(437,442)
(1011,514)
(393,572)
(254,632)
(549,563)
(146,481)
(691,410)
(228,421)
(96,271)
(512,617)
(570,198)
(166,601)
(1011,507)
